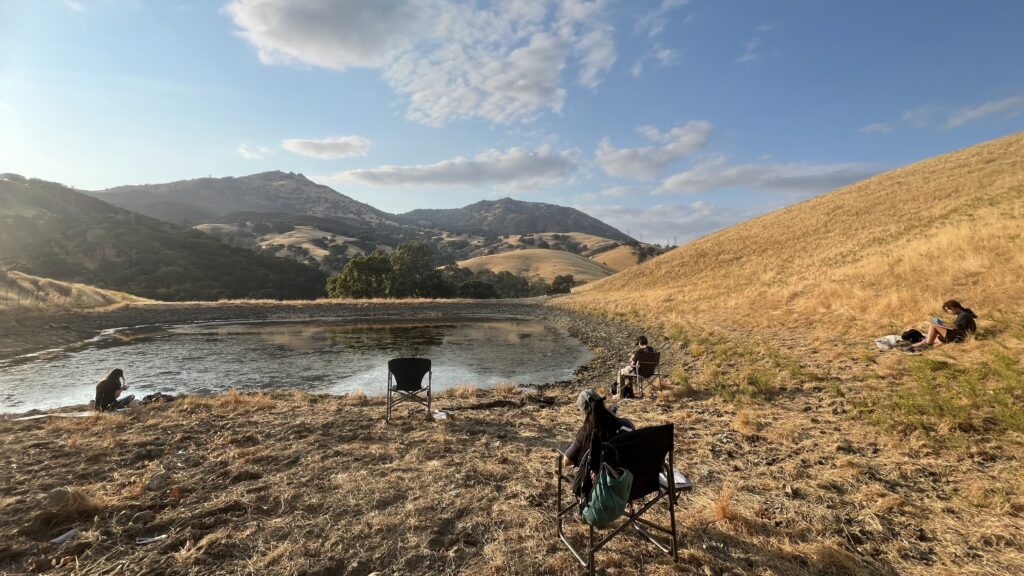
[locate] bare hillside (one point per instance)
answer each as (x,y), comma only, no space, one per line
(540,263)
(24,293)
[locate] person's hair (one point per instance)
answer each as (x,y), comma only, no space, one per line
(641,340)
(599,424)
(116,375)
(950,305)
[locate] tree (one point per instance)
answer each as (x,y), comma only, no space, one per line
(412,271)
(363,277)
(562,284)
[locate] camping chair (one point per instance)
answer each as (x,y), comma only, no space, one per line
(647,453)
(645,370)
(405,382)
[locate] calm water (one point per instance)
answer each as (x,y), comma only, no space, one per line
(320,356)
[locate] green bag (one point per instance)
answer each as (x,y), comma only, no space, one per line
(609,496)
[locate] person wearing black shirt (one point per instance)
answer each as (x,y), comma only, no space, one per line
(963,324)
(627,374)
(597,421)
(108,392)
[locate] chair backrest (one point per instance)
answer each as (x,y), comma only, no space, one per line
(409,372)
(647,363)
(643,453)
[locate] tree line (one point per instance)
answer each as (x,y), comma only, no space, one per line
(410,271)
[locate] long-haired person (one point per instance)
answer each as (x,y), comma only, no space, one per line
(596,420)
(108,392)
(963,324)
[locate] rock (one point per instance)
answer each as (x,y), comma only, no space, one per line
(59,497)
(144,517)
(159,481)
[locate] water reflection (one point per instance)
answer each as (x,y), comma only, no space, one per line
(321,356)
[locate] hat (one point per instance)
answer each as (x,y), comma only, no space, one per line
(586,396)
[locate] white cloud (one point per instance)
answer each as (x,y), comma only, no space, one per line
(516,168)
(652,23)
(877,128)
(613,192)
(794,177)
(74,6)
(920,116)
(450,60)
(5,107)
(752,49)
(328,148)
(664,223)
(1008,107)
(646,162)
(253,152)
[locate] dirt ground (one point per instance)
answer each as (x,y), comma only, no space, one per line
(292,483)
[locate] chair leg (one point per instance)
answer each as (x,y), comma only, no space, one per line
(590,553)
(672,503)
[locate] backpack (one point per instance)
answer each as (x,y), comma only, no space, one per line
(609,496)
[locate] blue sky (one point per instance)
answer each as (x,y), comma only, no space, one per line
(666,118)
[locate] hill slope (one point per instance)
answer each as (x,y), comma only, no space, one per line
(540,263)
(206,199)
(869,258)
(52,231)
(508,216)
(22,292)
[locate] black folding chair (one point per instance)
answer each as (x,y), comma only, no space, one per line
(405,382)
(645,370)
(647,454)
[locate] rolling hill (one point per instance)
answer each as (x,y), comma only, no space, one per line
(53,231)
(540,263)
(870,258)
(22,292)
(508,216)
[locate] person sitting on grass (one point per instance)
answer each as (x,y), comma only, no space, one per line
(597,419)
(963,324)
(623,385)
(109,390)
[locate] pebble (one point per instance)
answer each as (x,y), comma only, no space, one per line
(159,481)
(59,497)
(144,517)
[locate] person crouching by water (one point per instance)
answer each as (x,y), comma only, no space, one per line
(963,324)
(597,419)
(108,392)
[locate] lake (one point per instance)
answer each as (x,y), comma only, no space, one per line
(335,357)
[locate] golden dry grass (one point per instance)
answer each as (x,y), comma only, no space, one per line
(617,259)
(540,263)
(25,293)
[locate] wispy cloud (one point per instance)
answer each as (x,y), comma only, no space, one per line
(613,192)
(648,161)
(663,223)
(752,48)
(74,6)
(877,128)
(503,62)
(794,177)
(250,152)
(332,148)
(652,22)
(516,168)
(1006,107)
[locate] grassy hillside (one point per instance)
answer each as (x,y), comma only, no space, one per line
(540,263)
(867,259)
(618,259)
(22,292)
(52,231)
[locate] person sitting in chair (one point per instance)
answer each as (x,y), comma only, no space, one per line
(623,385)
(109,390)
(597,419)
(963,324)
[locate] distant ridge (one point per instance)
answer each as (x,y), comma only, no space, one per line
(206,199)
(508,216)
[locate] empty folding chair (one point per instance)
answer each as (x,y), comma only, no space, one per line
(405,382)
(648,454)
